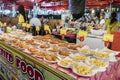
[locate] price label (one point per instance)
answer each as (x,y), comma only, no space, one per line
(82,33)
(108,37)
(89,27)
(46,27)
(0,23)
(37,28)
(5,24)
(28,25)
(63,31)
(23,24)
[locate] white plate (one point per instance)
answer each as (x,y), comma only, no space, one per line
(89,59)
(73,55)
(88,75)
(69,64)
(49,61)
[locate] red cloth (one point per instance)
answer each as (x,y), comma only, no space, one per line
(116,41)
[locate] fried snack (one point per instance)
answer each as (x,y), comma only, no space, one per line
(80,45)
(83,70)
(38,37)
(29,41)
(51,57)
(107,51)
(25,47)
(98,63)
(44,46)
(73,47)
(65,62)
(79,57)
(33,50)
(63,44)
(64,53)
(54,50)
(102,55)
(53,42)
(45,40)
(84,51)
(93,51)
(41,54)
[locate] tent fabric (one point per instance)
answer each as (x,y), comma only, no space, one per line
(116,41)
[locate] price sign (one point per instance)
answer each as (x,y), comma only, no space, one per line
(37,28)
(23,24)
(89,27)
(108,37)
(63,31)
(28,25)
(46,27)
(82,33)
(5,24)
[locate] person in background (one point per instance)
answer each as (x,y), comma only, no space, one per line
(102,22)
(21,16)
(112,23)
(67,21)
(58,27)
(107,14)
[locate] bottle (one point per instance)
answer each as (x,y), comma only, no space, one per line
(33,30)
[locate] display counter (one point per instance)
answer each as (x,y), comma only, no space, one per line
(18,64)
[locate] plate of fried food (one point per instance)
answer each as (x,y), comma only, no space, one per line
(63,53)
(51,58)
(53,50)
(102,55)
(97,63)
(83,69)
(40,54)
(85,50)
(78,57)
(65,63)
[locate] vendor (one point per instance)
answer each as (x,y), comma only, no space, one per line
(21,16)
(112,23)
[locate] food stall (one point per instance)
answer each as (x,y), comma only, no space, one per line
(26,57)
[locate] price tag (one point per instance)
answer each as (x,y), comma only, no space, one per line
(63,31)
(82,33)
(89,27)
(46,27)
(108,37)
(23,24)
(37,28)
(0,23)
(5,24)
(28,25)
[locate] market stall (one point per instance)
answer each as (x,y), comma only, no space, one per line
(38,58)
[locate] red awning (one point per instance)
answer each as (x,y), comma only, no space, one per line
(116,1)
(26,4)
